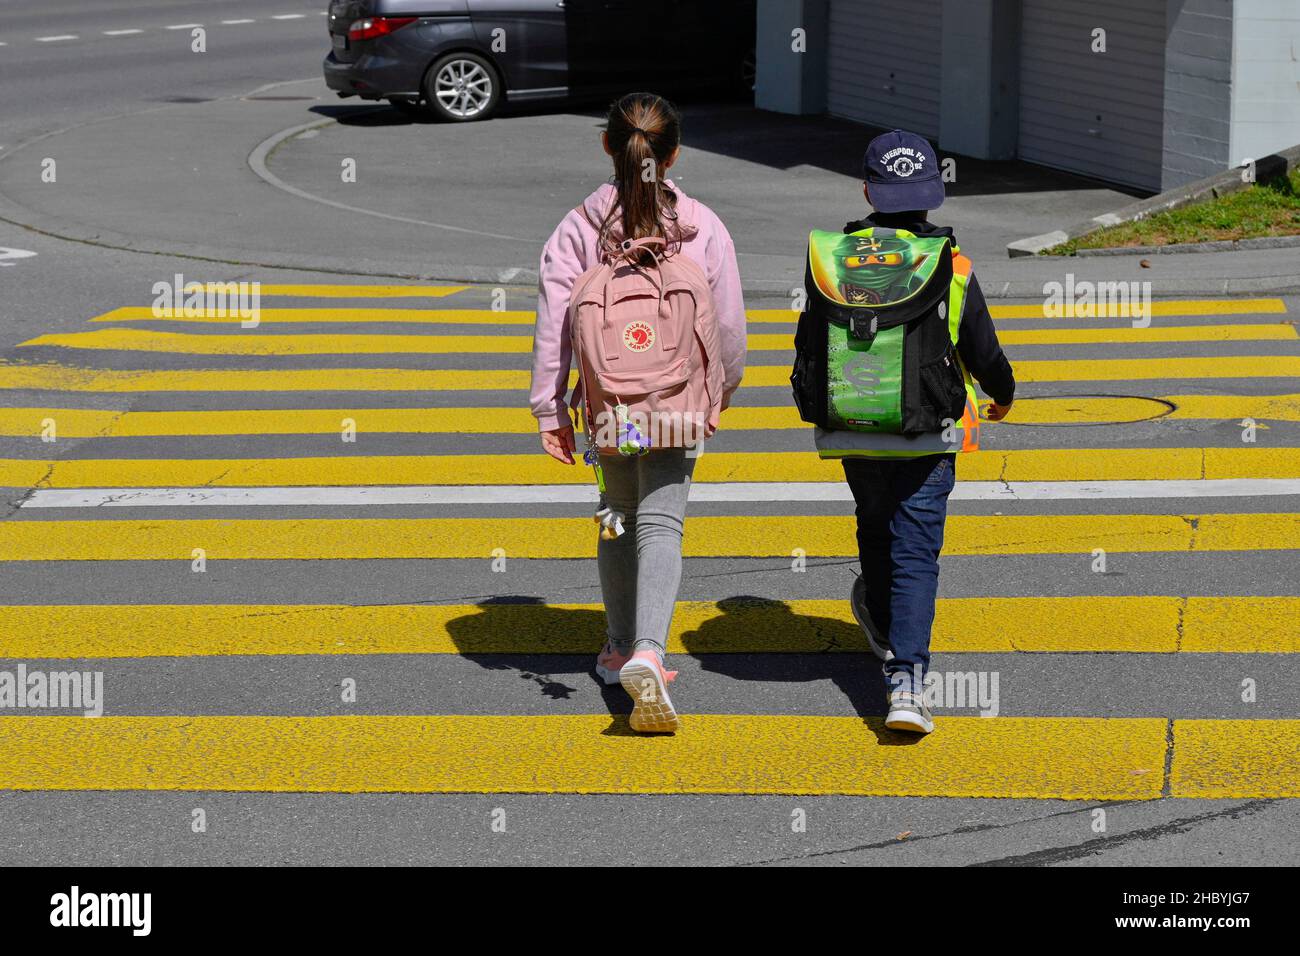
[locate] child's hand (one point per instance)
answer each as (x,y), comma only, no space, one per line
(558,443)
(994,412)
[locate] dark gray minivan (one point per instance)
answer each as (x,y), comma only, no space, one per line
(461,58)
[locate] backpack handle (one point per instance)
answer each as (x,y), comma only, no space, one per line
(629,249)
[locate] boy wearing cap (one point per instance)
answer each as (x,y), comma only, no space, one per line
(902,501)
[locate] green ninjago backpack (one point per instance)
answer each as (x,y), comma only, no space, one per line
(875,349)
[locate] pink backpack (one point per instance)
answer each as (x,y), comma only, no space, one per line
(646,341)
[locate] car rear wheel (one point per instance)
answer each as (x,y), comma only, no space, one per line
(461,87)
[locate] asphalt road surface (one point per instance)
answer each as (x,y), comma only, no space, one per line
(343,606)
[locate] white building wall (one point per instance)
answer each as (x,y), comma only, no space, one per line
(1265,77)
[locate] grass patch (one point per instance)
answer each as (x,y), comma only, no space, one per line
(1269,208)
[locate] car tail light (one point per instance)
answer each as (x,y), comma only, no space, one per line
(372,27)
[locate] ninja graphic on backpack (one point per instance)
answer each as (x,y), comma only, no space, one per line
(875,349)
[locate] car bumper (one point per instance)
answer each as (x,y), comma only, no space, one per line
(371,77)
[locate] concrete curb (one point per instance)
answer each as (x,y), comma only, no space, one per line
(1211,187)
(1230,245)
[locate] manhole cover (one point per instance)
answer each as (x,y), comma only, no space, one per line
(1074,411)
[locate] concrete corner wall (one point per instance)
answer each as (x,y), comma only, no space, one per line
(789,81)
(1265,78)
(979,98)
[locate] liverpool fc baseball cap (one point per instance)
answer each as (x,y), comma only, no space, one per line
(902,172)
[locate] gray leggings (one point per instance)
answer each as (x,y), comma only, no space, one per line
(651,492)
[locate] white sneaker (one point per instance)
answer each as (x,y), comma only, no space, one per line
(646,682)
(907,711)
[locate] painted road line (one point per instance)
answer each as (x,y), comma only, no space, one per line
(1170,307)
(307,344)
(1124,335)
(57,39)
(1224,758)
(1021,757)
(1104,370)
(96,422)
(987,625)
(1028,465)
(774,536)
(77,379)
(1169,367)
(334,315)
(121,33)
(261,343)
(256,343)
(362,291)
(351,497)
(91,422)
(528,317)
(73,379)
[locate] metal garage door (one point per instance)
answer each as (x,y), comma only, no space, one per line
(1100,114)
(884,64)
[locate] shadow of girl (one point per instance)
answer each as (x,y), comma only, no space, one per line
(760,639)
(540,640)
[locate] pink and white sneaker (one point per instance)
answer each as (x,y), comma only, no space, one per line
(646,682)
(609,662)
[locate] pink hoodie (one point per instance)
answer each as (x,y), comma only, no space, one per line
(571,251)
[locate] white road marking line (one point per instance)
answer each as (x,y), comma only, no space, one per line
(580,494)
(232,22)
(61,36)
(120,33)
(288,16)
(182,26)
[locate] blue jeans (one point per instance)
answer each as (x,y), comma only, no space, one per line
(901,508)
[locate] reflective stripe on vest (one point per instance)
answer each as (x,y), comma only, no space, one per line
(965,434)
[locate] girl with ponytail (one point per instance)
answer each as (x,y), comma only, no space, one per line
(640,569)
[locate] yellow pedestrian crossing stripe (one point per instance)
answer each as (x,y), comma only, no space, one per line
(1099,464)
(774,536)
(1066,758)
(1165,309)
(325,291)
(103,422)
(262,343)
(256,343)
(1214,759)
(72,379)
(1041,757)
(278,316)
(75,379)
(990,625)
(1160,309)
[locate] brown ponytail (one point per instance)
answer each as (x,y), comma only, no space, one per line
(644,130)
